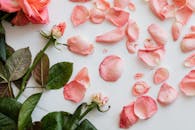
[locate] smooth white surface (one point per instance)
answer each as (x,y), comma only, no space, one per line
(178,116)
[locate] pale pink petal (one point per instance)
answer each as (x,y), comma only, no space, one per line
(131,47)
(176,30)
(78,45)
(121,3)
(80,15)
(80,0)
(156,7)
(102,4)
(58,30)
(168,11)
(97,16)
(127,116)
(150,44)
(138,76)
(158,34)
(180,3)
(183,15)
(83,77)
(132,6)
(9,6)
(111,68)
(160,75)
(191,4)
(140,88)
(187,85)
(193,28)
(113,36)
(151,57)
(190,61)
(74,91)
(132,31)
(167,94)
(117,16)
(145,107)
(188,42)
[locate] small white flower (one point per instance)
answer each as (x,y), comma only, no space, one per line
(99,99)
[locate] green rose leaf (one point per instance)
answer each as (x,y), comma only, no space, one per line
(59,74)
(6,123)
(28,106)
(2,43)
(9,51)
(18,63)
(4,91)
(41,71)
(10,107)
(86,125)
(3,72)
(55,121)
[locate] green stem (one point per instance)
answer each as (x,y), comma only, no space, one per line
(39,56)
(89,108)
(11,94)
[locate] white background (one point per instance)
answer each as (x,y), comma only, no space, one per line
(178,116)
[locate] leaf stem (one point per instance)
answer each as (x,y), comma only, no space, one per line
(11,94)
(39,56)
(89,108)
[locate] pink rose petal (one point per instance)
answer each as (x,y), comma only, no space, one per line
(191,4)
(188,42)
(132,31)
(167,94)
(121,3)
(145,107)
(74,91)
(127,116)
(107,71)
(187,85)
(151,57)
(78,45)
(150,44)
(132,6)
(193,28)
(20,19)
(117,16)
(161,75)
(80,0)
(9,6)
(140,88)
(131,47)
(190,61)
(158,34)
(97,16)
(179,3)
(168,11)
(183,15)
(113,36)
(102,4)
(138,76)
(156,7)
(83,77)
(80,15)
(176,30)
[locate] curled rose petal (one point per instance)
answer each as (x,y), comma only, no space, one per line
(9,6)
(20,19)
(107,71)
(145,107)
(187,85)
(193,28)
(83,77)
(97,16)
(179,3)
(156,7)
(191,4)
(150,44)
(127,116)
(183,15)
(140,88)
(188,43)
(78,45)
(158,34)
(102,4)
(121,3)
(131,6)
(113,36)
(117,16)
(151,57)
(131,47)
(167,94)
(80,15)
(74,91)
(138,76)
(161,75)
(176,30)
(80,0)
(132,31)
(190,61)
(168,11)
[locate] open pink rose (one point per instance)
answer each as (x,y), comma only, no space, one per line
(9,6)
(35,10)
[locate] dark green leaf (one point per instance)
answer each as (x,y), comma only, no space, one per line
(28,106)
(6,123)
(54,121)
(86,125)
(9,51)
(18,63)
(35,126)
(59,74)
(41,71)
(4,91)
(3,72)
(2,43)
(10,107)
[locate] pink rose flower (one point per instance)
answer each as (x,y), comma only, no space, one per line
(9,6)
